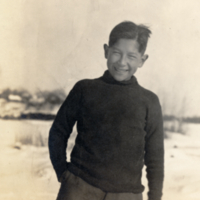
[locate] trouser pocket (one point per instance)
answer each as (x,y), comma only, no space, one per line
(65,176)
(75,188)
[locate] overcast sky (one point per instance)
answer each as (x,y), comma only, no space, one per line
(52,44)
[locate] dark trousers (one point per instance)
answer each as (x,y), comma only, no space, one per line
(74,188)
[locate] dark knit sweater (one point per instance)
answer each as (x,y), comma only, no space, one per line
(119,128)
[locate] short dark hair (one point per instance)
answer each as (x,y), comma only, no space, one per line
(130,30)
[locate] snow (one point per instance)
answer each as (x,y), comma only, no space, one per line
(27,174)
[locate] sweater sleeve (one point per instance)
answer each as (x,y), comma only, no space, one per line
(61,130)
(154,150)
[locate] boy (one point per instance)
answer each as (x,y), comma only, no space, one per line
(119,125)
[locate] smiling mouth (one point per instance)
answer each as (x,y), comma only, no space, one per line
(120,70)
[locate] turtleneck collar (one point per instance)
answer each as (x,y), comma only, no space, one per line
(107,77)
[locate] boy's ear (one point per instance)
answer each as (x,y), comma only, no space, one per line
(105,46)
(144,58)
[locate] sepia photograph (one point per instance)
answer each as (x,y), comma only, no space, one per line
(99,100)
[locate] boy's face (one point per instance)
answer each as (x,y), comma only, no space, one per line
(123,59)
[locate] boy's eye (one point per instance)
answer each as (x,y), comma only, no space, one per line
(132,57)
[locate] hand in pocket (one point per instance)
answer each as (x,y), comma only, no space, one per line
(65,176)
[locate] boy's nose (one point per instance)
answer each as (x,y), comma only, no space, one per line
(122,61)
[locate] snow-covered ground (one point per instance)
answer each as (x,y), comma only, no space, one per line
(26,172)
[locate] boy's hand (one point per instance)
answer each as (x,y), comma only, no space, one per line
(64,176)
